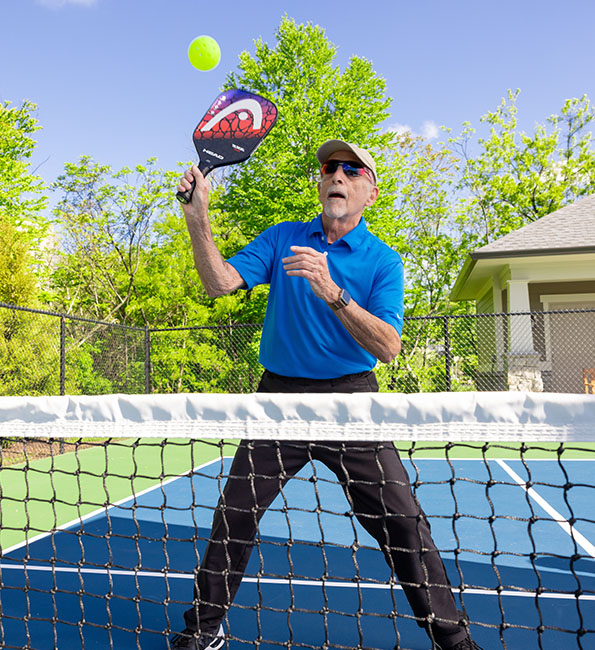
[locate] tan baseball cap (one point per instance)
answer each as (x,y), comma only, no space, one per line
(332,146)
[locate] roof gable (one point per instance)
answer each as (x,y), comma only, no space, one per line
(569,229)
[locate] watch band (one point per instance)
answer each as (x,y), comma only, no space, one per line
(344,299)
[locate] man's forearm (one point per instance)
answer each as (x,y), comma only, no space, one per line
(218,277)
(372,333)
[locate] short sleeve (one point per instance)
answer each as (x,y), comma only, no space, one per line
(387,297)
(255,261)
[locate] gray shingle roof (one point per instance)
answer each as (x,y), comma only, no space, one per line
(570,229)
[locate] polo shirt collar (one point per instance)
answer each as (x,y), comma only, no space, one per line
(353,238)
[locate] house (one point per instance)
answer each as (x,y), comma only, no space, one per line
(546,266)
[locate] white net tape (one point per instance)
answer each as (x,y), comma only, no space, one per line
(472,416)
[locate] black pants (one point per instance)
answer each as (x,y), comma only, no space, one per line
(377,487)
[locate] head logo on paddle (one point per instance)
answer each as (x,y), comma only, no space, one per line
(233,127)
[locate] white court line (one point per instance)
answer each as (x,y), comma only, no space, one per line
(283,581)
(577,537)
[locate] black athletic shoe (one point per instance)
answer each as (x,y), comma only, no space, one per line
(188,639)
(465,644)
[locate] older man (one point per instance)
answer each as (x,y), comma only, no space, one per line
(335,308)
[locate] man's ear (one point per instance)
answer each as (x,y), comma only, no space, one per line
(373,196)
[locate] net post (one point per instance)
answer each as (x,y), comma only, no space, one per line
(447,377)
(62,366)
(147,359)
(62,354)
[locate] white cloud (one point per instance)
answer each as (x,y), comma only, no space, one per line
(399,129)
(429,129)
(57,4)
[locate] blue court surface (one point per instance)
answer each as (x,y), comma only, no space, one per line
(106,586)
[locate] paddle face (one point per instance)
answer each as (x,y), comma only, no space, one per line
(235,124)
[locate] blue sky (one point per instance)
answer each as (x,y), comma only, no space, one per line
(112,80)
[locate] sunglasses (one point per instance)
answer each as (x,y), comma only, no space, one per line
(351,168)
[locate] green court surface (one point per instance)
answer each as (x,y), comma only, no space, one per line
(47,493)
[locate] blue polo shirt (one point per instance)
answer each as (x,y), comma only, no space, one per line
(301,335)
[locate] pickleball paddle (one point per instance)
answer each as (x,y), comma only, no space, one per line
(229,132)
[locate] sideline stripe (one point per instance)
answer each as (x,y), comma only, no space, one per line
(297,582)
(577,537)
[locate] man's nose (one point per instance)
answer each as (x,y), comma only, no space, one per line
(339,174)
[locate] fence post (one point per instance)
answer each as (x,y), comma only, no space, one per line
(447,353)
(147,359)
(62,355)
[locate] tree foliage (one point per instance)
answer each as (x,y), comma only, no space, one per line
(518,177)
(28,350)
(18,282)
(105,218)
(22,195)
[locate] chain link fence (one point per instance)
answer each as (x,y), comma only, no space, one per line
(46,353)
(222,359)
(548,351)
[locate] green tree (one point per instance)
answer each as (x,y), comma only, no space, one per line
(29,355)
(105,218)
(18,283)
(22,197)
(423,228)
(519,177)
(420,223)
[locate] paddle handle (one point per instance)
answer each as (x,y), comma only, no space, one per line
(186,197)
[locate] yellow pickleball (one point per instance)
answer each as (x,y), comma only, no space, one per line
(204,53)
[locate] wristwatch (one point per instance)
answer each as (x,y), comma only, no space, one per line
(344,299)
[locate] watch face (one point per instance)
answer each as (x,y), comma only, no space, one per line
(343,301)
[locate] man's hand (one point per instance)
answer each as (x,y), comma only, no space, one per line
(312,265)
(196,212)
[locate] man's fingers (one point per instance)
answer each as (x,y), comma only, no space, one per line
(304,249)
(184,185)
(304,254)
(299,262)
(191,175)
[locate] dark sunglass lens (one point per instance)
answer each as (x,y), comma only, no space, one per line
(330,167)
(349,169)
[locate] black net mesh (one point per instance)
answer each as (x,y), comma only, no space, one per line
(101,540)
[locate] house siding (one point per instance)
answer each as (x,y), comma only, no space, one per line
(538,289)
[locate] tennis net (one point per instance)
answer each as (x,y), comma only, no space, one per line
(106,506)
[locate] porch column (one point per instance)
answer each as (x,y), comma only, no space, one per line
(523,362)
(521,334)
(499,325)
